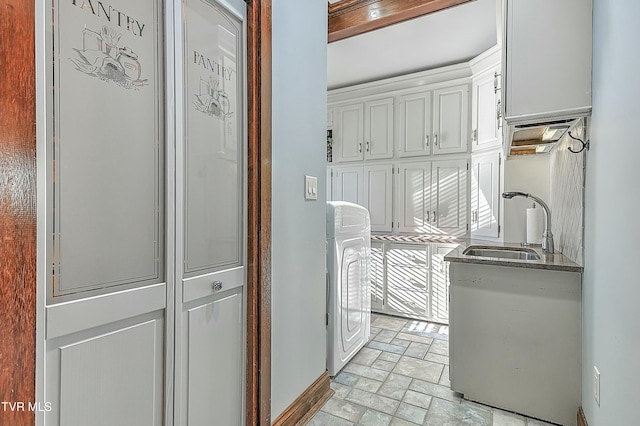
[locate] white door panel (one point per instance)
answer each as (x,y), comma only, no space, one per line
(106,216)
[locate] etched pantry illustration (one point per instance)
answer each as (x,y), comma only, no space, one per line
(102,57)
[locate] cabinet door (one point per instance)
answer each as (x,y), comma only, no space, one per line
(448,213)
(210,238)
(350,137)
(485,195)
(413,186)
(532,88)
(378,129)
(440,281)
(377,275)
(450,119)
(330,116)
(377,196)
(484,121)
(349,184)
(407,280)
(329,183)
(415,125)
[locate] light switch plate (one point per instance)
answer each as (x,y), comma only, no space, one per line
(310,187)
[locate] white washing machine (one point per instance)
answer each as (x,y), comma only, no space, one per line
(348,282)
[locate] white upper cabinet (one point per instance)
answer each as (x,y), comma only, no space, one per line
(485,195)
(350,133)
(415,125)
(434,122)
(547,59)
(365,131)
(378,129)
(450,119)
(330,116)
(485,111)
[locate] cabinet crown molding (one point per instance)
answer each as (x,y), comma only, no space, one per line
(407,81)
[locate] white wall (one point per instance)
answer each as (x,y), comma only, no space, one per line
(611,284)
(530,174)
(298,347)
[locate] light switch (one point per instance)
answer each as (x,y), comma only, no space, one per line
(310,188)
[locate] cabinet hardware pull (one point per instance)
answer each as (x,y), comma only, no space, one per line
(217,285)
(360,147)
(435,140)
(427,141)
(474,135)
(367,146)
(499,113)
(434,217)
(495,82)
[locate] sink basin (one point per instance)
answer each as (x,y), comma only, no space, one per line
(502,252)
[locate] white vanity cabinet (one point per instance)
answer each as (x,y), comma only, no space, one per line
(365,131)
(377,272)
(432,197)
(407,280)
(411,279)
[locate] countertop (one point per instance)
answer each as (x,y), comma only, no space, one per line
(556,261)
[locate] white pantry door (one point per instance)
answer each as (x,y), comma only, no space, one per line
(211,228)
(105,224)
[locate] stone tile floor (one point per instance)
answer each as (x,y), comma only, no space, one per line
(401,377)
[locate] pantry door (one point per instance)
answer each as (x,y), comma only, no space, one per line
(211,225)
(101,177)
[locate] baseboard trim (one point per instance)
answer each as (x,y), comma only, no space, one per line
(582,420)
(307,404)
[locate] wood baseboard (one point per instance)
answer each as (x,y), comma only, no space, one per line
(307,404)
(582,420)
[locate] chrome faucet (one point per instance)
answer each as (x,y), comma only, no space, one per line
(547,236)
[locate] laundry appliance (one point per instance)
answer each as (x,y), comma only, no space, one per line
(348,282)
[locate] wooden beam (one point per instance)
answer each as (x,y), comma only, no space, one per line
(352,17)
(258,391)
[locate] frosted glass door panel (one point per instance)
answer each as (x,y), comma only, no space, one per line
(213,140)
(106,142)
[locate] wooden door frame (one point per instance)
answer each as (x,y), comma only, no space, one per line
(258,367)
(18,210)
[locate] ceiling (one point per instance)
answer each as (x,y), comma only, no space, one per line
(443,38)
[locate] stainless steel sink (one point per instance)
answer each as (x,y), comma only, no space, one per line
(502,252)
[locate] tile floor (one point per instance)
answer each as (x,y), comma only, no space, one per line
(401,377)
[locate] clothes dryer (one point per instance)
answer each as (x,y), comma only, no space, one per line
(348,282)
